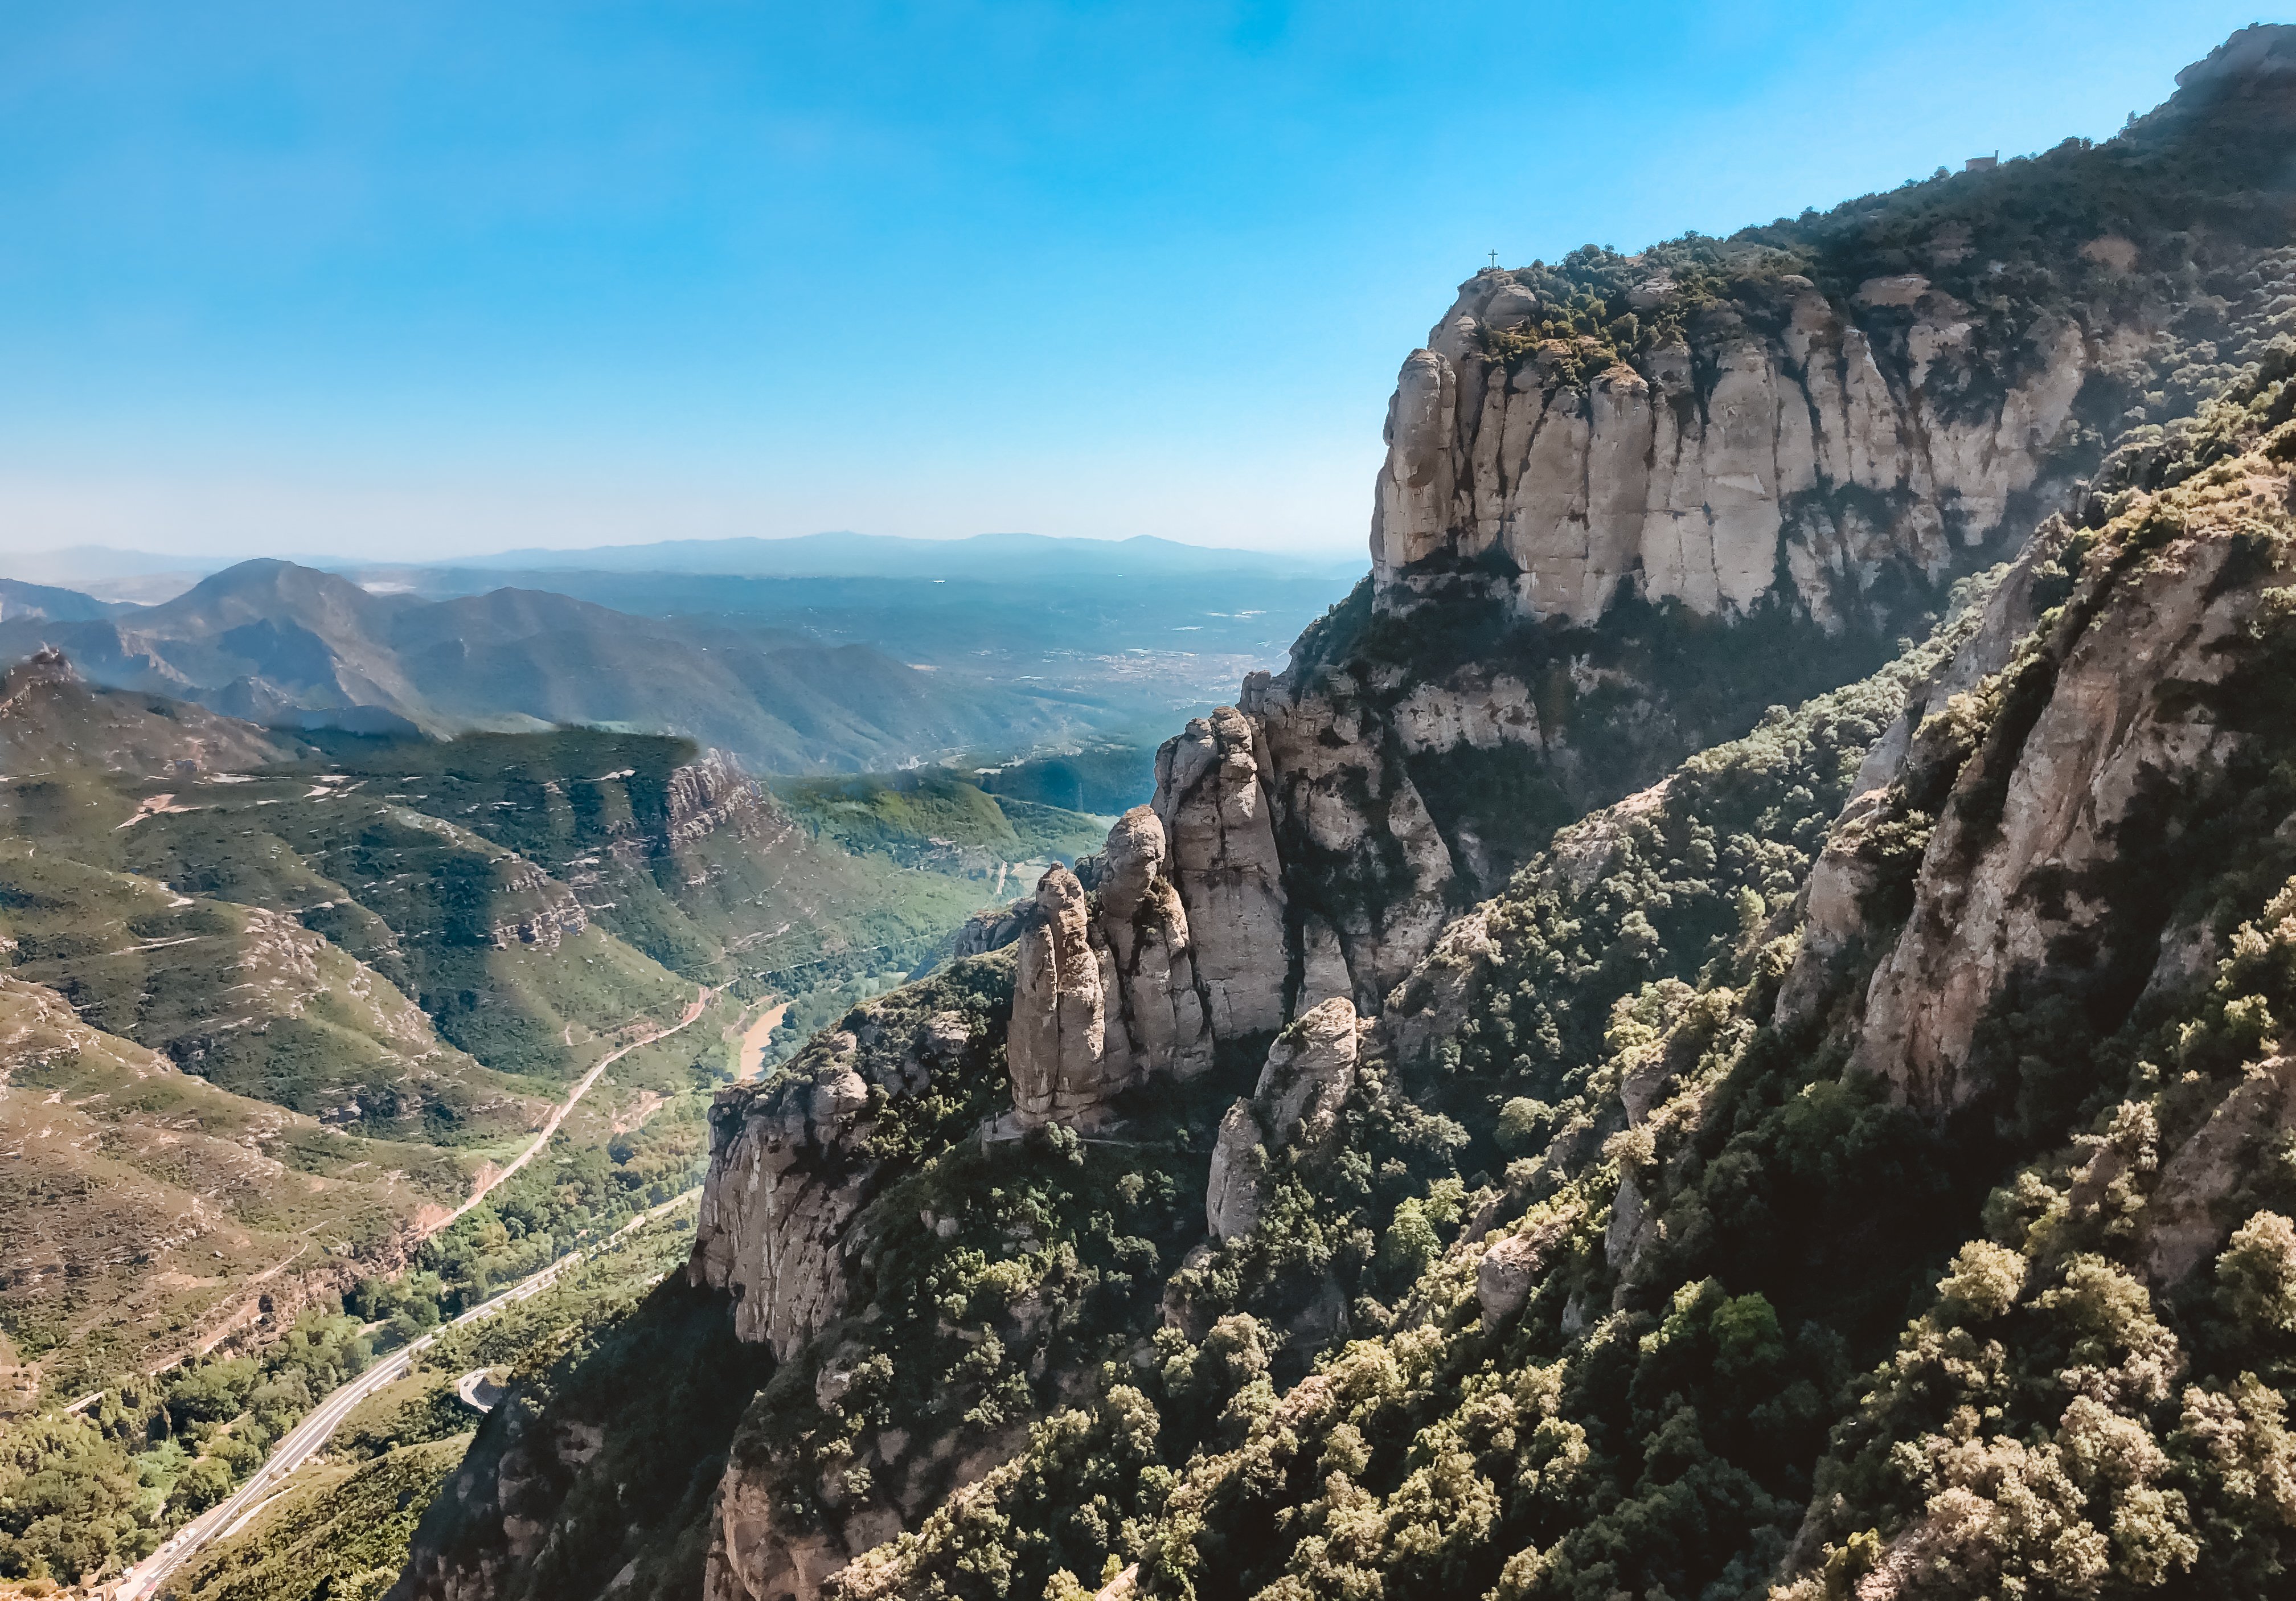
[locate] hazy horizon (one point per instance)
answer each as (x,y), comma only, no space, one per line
(428,281)
(92,560)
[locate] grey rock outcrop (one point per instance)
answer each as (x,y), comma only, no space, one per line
(2185,1224)
(790,1169)
(1293,1114)
(548,912)
(991,929)
(710,796)
(1805,452)
(1814,457)
(1068,1052)
(1508,1269)
(781,1196)
(1224,863)
(1186,945)
(1234,1197)
(1150,942)
(1840,881)
(1309,1074)
(1838,447)
(2032,818)
(1359,819)
(1106,995)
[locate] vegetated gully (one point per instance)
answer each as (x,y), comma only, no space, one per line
(305,1439)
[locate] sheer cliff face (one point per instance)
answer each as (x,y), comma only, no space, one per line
(1592,556)
(1820,467)
(1592,564)
(2016,878)
(1180,945)
(1804,452)
(792,1164)
(2042,941)
(1583,572)
(1828,463)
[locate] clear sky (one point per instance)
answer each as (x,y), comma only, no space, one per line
(413,278)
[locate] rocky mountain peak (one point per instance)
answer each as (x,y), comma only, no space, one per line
(2262,51)
(50,717)
(1804,444)
(1691,1095)
(47,665)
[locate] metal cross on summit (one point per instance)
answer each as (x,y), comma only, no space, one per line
(1495,261)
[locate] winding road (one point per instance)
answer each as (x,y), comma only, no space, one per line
(694,1010)
(305,1439)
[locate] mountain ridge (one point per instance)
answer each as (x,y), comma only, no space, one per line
(1612,1076)
(829,553)
(273,641)
(846,555)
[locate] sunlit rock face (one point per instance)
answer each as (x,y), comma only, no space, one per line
(1807,458)
(1545,537)
(1293,1112)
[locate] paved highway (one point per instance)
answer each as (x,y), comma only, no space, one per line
(305,1439)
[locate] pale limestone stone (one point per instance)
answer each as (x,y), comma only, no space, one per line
(1508,1269)
(1224,863)
(2181,1229)
(1905,290)
(1978,915)
(1232,1198)
(1309,1073)
(1146,928)
(1479,709)
(1294,1113)
(1322,965)
(1414,491)
(775,1207)
(1323,751)
(1066,1050)
(1103,1001)
(1691,488)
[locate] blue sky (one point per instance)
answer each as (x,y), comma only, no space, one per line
(414,279)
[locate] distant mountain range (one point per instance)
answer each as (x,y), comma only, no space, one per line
(287,645)
(1003,558)
(831,652)
(19,600)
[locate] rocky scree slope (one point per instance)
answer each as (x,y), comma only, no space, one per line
(1846,1165)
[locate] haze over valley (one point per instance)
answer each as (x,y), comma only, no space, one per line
(1702,1017)
(870,654)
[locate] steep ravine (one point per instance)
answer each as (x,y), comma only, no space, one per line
(1947,996)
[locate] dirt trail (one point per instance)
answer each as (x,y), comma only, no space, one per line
(558,1113)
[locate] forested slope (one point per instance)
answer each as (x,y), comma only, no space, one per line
(1517,1116)
(273,1010)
